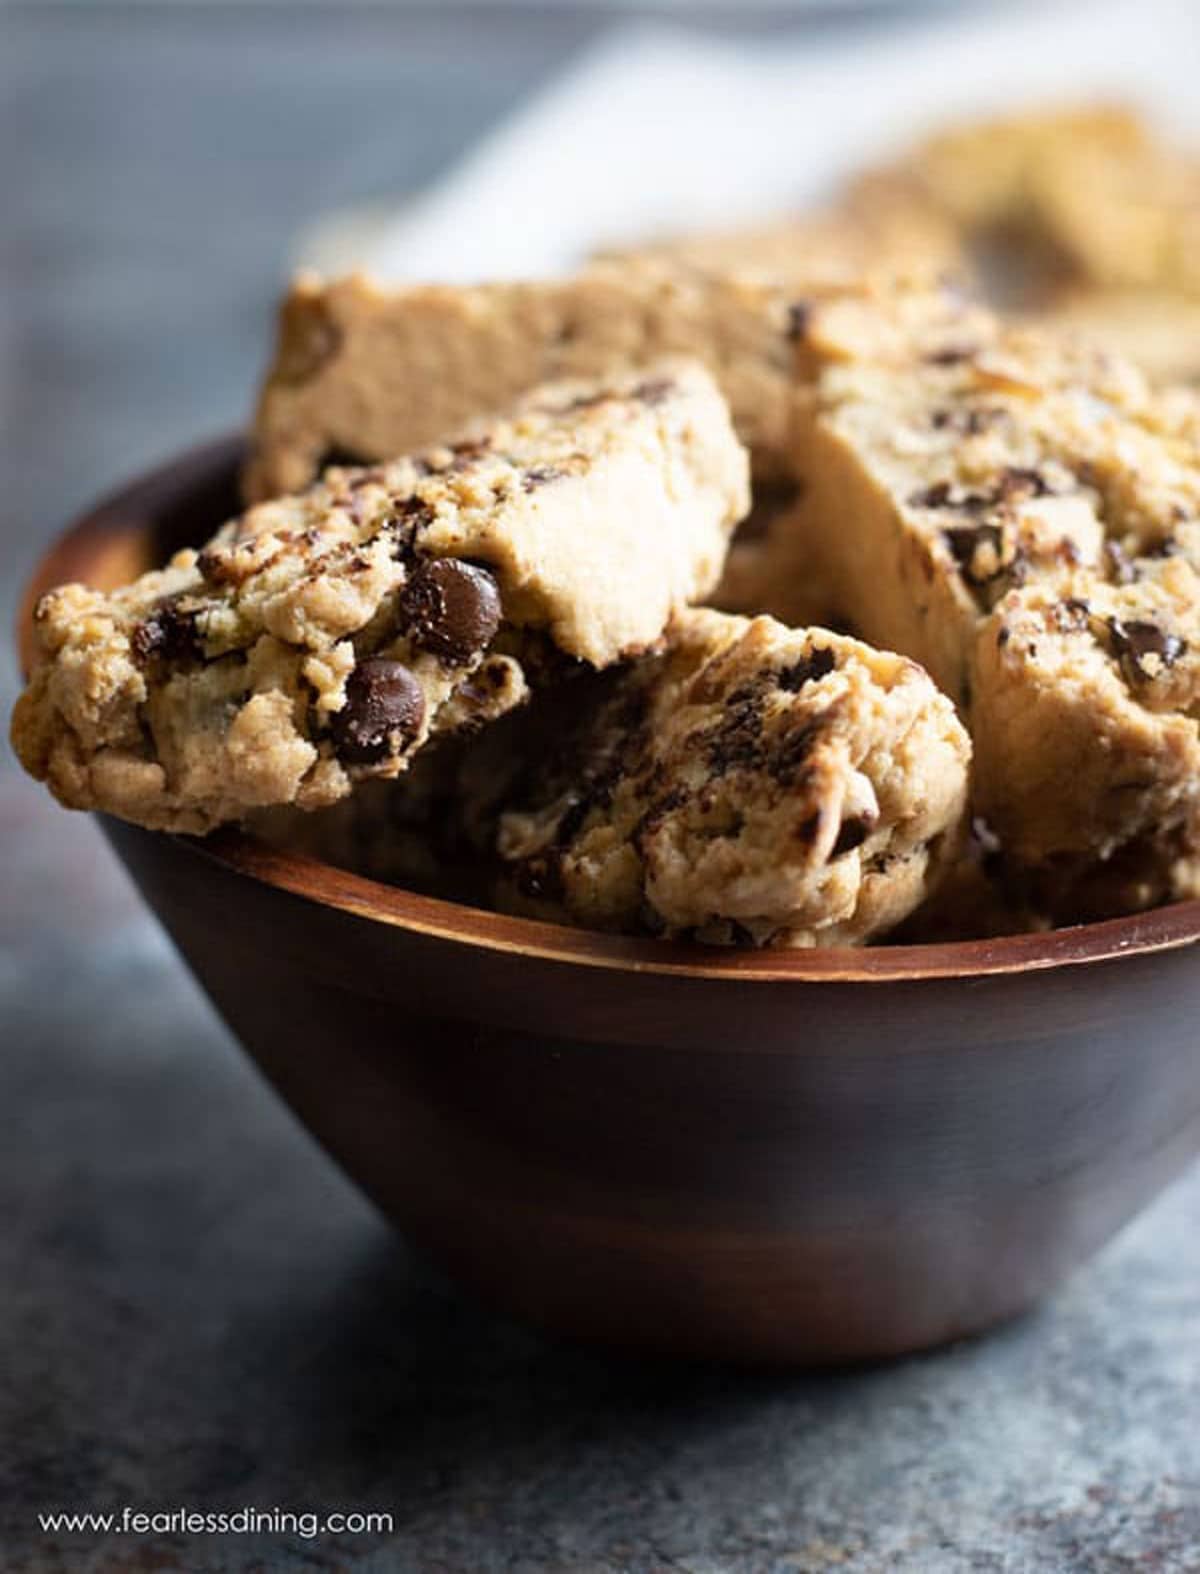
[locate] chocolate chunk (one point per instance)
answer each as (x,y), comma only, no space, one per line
(970,422)
(791,754)
(737,741)
(799,319)
(806,831)
(979,551)
(451,608)
(853,833)
(935,496)
(168,633)
(584,401)
(1167,547)
(382,715)
(819,663)
(951,355)
(538,475)
(1017,481)
(666,803)
(1142,649)
(654,391)
(468,452)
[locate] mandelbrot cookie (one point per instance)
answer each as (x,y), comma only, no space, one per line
(750,784)
(1023,518)
(327,637)
(371,371)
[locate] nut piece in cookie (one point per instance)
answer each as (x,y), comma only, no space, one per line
(750,784)
(327,637)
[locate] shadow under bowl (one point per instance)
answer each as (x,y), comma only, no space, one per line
(761,1157)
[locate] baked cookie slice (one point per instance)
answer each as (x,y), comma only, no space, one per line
(374,371)
(1078,216)
(366,371)
(750,784)
(964,513)
(329,636)
(1125,216)
(983,175)
(1086,716)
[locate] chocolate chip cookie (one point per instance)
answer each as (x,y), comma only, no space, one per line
(328,636)
(366,371)
(751,784)
(1024,519)
(373,371)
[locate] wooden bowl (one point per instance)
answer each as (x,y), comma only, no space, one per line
(774,1157)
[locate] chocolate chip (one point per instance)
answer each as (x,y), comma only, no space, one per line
(951,355)
(737,740)
(168,633)
(450,608)
(818,664)
(979,551)
(853,833)
(799,319)
(662,806)
(1167,547)
(935,496)
(538,475)
(468,452)
(806,831)
(1137,641)
(654,391)
(970,422)
(384,709)
(585,401)
(372,476)
(942,494)
(1017,481)
(791,754)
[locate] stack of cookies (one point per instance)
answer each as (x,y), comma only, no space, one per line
(751,589)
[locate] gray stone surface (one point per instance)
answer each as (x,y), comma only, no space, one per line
(197,1310)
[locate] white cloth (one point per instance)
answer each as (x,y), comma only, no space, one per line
(660,128)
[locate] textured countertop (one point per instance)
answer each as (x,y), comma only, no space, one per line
(197,1310)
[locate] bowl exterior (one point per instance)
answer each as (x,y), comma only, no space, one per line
(715,1167)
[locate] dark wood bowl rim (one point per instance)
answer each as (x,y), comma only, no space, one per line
(126,510)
